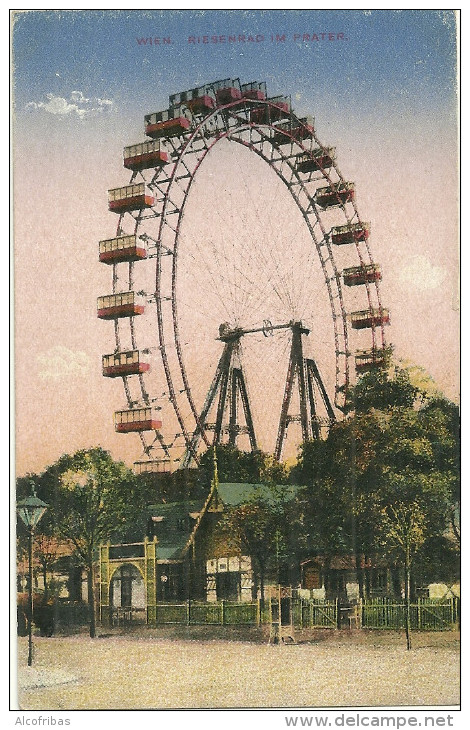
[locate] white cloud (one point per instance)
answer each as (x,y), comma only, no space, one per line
(59,363)
(421,274)
(78,96)
(77,104)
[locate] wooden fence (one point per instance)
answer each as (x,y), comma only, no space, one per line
(312,613)
(223,613)
(305,613)
(427,614)
(377,613)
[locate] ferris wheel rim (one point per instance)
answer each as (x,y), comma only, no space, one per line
(183,150)
(227,134)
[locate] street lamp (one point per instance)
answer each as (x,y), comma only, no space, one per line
(31,510)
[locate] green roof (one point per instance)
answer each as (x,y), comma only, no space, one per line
(233,494)
(172,552)
(174,523)
(174,510)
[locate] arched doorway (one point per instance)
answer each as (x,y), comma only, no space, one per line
(127,590)
(140,572)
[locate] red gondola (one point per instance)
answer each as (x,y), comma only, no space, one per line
(350,233)
(121,248)
(200,99)
(256,90)
(130,197)
(279,107)
(370,359)
(115,306)
(335,194)
(319,159)
(168,123)
(156,466)
(123,363)
(201,104)
(362,274)
(369,318)
(144,155)
(227,90)
(299,130)
(136,419)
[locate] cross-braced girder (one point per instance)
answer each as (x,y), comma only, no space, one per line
(268,128)
(306,372)
(230,385)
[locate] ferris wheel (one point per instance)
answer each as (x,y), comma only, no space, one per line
(244,294)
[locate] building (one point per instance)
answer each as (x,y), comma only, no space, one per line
(336,576)
(184,553)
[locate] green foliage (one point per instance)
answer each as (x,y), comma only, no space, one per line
(403,528)
(397,450)
(260,527)
(381,390)
(241,467)
(178,486)
(90,497)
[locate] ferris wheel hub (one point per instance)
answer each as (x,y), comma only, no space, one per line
(228,333)
(283,280)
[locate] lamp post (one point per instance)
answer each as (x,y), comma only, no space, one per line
(31,510)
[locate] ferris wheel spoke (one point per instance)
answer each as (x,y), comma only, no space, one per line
(216,280)
(270,262)
(254,263)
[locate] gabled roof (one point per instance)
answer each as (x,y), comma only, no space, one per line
(170,511)
(174,523)
(170,553)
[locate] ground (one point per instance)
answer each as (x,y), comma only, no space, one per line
(220,668)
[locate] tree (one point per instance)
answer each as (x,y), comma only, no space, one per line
(403,527)
(441,419)
(178,486)
(400,426)
(258,528)
(322,504)
(383,390)
(92,501)
(45,552)
(253,467)
(340,475)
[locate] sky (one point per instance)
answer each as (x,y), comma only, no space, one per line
(383,91)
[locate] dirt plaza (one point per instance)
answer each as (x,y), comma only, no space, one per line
(181,669)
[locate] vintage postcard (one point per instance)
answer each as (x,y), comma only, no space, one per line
(236,360)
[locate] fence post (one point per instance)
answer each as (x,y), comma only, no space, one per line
(359,614)
(419,614)
(258,612)
(188,612)
(222,612)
